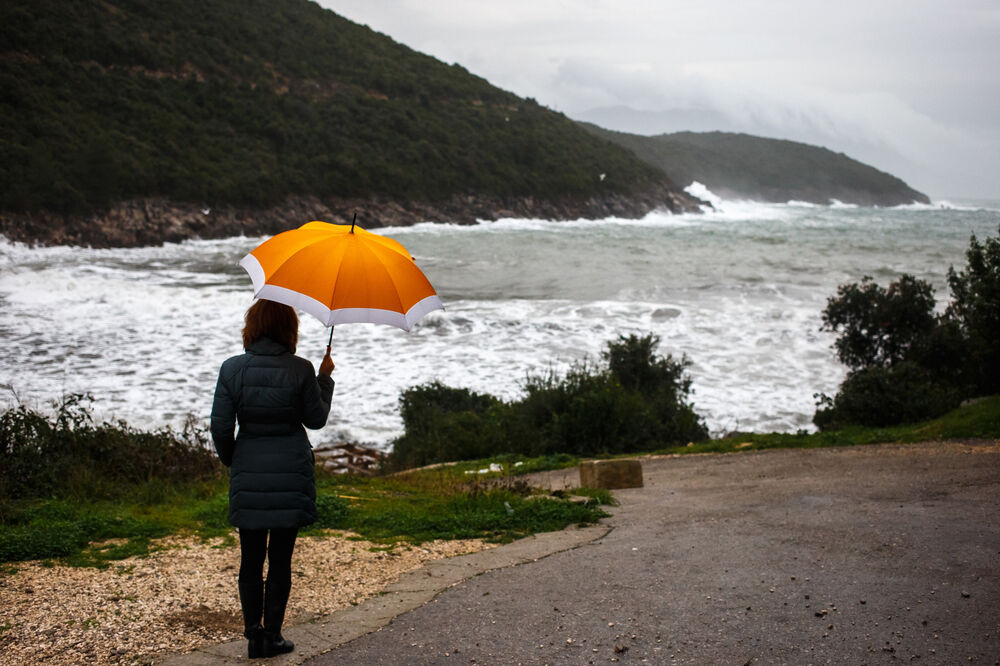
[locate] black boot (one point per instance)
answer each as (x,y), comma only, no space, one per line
(252,603)
(257,644)
(275,600)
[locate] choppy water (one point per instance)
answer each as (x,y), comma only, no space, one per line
(738,290)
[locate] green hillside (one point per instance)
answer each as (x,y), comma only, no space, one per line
(248,102)
(749,167)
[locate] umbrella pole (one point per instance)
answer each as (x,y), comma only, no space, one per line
(329,344)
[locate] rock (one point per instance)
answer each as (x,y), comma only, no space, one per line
(611,474)
(155,221)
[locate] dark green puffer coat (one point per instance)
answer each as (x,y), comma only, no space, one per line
(274,395)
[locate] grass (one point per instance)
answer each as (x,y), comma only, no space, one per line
(980,420)
(446,503)
(453,501)
(434,504)
(94,533)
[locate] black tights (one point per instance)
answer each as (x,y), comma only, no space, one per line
(265,601)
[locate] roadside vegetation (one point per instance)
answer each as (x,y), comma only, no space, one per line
(104,517)
(906,363)
(634,401)
(88,494)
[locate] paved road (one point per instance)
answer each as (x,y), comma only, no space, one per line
(864,555)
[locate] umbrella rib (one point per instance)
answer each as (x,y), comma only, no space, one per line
(395,288)
(333,289)
(292,255)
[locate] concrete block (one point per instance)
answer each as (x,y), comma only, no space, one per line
(611,474)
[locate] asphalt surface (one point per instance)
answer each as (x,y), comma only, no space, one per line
(864,555)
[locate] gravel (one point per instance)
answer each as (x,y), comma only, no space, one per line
(183,596)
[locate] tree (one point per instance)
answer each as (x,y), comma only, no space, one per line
(905,363)
(975,308)
(879,326)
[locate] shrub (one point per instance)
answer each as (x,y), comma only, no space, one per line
(638,401)
(975,308)
(879,326)
(444,423)
(906,364)
(882,396)
(68,455)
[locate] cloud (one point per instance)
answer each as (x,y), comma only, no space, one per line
(878,128)
(908,86)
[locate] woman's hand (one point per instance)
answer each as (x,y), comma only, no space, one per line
(326,366)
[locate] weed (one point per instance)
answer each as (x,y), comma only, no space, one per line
(601,496)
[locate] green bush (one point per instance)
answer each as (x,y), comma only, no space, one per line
(67,455)
(880,327)
(975,308)
(906,363)
(445,423)
(882,396)
(638,401)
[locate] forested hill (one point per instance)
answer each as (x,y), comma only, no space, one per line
(748,167)
(130,121)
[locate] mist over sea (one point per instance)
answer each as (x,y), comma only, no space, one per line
(738,290)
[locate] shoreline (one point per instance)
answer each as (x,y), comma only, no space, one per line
(154,221)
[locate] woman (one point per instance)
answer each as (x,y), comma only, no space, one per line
(274,395)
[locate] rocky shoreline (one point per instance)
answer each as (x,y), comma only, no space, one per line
(155,221)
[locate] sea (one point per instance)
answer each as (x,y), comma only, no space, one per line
(738,290)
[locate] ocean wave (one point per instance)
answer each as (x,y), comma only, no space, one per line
(738,290)
(943,204)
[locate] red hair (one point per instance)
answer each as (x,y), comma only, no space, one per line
(272,320)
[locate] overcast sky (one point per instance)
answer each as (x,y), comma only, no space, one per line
(911,87)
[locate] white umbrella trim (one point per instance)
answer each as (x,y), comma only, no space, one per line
(330,317)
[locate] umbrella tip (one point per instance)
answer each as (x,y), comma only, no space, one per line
(353,221)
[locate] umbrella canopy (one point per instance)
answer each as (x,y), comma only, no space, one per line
(341,275)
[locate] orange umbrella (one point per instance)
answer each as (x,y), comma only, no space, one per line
(341,275)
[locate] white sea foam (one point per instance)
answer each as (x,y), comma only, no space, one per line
(836,203)
(738,210)
(738,290)
(944,204)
